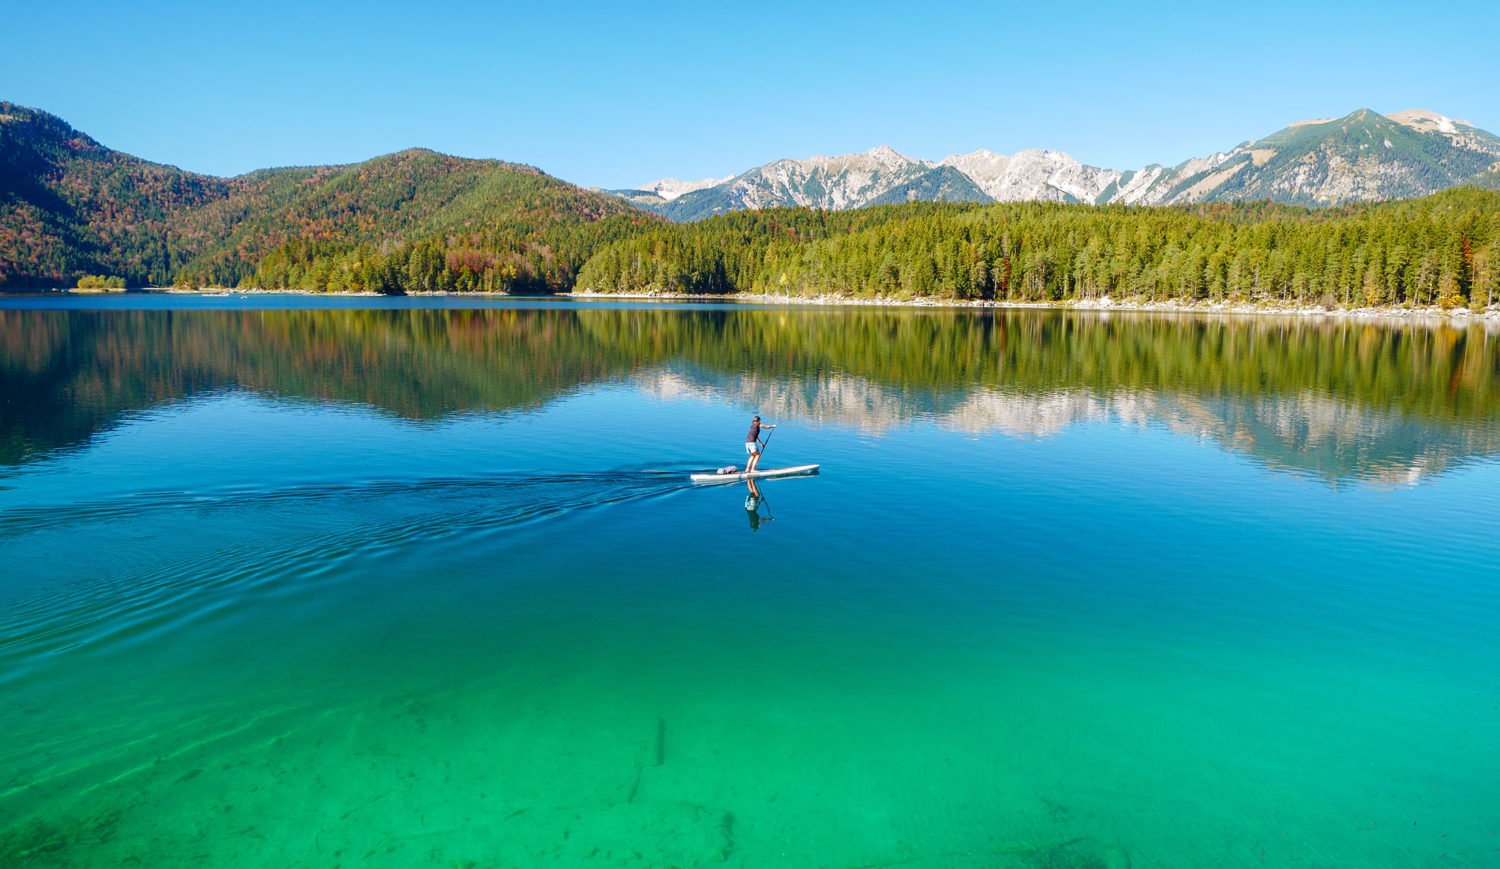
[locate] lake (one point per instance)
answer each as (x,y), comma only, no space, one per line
(292,581)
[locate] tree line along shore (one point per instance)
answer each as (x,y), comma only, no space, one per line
(1441,251)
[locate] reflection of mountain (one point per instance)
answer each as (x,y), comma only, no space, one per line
(1327,436)
(834,399)
(1035,416)
(1343,400)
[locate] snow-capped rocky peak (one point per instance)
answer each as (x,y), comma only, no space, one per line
(979,164)
(889,158)
(1033,174)
(881,159)
(840,181)
(671,188)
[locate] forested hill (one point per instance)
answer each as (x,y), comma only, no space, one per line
(415,220)
(1440,250)
(70,206)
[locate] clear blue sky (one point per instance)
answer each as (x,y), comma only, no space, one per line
(619,94)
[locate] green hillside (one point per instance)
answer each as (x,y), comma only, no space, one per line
(413,220)
(942,184)
(69,206)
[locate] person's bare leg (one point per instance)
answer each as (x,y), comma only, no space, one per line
(754,460)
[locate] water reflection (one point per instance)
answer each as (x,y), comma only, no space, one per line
(1304,432)
(757,509)
(1342,400)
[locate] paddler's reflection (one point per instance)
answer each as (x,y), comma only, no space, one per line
(753,502)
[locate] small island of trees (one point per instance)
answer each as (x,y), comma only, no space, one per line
(100,282)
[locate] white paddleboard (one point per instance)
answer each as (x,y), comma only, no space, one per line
(797,471)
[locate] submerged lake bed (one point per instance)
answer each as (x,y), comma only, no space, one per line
(295,581)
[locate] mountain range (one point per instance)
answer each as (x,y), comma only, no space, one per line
(1363,156)
(72,208)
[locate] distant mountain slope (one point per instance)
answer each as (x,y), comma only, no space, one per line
(880,175)
(942,184)
(1046,176)
(70,206)
(671,188)
(1487,180)
(1364,156)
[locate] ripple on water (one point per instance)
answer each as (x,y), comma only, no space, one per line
(322,530)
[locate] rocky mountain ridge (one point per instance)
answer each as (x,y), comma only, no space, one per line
(1362,156)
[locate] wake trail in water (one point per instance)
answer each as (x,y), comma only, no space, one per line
(22,520)
(345,521)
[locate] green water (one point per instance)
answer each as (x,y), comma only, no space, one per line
(293,582)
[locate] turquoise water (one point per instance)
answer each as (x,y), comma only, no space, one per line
(422,586)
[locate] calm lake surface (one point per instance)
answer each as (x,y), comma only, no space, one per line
(308,582)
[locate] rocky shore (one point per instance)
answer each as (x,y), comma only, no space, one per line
(1488,315)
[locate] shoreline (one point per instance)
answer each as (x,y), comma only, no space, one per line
(1101,305)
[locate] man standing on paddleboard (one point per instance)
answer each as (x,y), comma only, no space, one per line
(753,444)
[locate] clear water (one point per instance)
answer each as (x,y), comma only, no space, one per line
(427,585)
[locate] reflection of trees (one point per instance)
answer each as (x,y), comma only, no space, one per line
(65,375)
(1437,371)
(1341,397)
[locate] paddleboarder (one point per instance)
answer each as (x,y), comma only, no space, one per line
(753,445)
